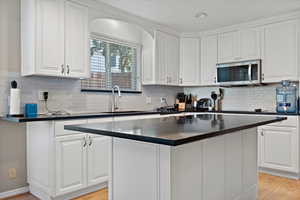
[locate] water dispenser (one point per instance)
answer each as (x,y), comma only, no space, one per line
(286,97)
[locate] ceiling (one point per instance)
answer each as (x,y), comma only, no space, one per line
(180,14)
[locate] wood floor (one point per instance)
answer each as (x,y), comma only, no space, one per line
(99,195)
(270,188)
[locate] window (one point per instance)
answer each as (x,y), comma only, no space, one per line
(113,63)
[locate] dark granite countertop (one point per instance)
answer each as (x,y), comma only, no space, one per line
(75,116)
(175,130)
(130,113)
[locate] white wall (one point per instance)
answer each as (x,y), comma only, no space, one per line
(117,29)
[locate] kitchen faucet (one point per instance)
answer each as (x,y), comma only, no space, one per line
(115,102)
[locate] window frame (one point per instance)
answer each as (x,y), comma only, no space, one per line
(138,69)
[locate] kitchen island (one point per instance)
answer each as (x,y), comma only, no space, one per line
(194,157)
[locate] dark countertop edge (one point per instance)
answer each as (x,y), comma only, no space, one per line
(253,113)
(106,115)
(167,141)
(72,117)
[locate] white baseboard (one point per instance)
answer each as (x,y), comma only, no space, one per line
(280,173)
(15,192)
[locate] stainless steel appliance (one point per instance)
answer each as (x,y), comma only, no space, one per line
(239,73)
(204,104)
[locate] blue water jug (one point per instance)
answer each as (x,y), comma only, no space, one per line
(286,97)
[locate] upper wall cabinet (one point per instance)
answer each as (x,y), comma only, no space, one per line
(239,45)
(209,59)
(166,59)
(189,61)
(148,70)
(54,38)
(228,47)
(280,51)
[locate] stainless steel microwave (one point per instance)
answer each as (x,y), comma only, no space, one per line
(239,73)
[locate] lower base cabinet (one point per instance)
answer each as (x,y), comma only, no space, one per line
(279,149)
(65,164)
(71,163)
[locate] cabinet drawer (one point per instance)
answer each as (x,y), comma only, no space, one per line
(60,129)
(290,122)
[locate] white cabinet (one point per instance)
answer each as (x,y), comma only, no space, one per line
(148,71)
(172,61)
(76,40)
(280,51)
(65,164)
(166,58)
(250,44)
(189,61)
(98,158)
(70,163)
(209,59)
(239,45)
(228,47)
(54,38)
(279,148)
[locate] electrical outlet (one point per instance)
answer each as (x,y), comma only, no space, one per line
(12,173)
(163,100)
(148,100)
(41,95)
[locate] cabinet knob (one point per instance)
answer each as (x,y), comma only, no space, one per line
(263,76)
(91,140)
(85,143)
(181,81)
(262,133)
(68,69)
(215,79)
(62,69)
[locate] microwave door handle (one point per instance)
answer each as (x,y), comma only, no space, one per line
(249,72)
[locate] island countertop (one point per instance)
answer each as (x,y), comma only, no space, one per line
(175,130)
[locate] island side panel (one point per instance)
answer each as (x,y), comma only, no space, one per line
(218,168)
(250,164)
(134,170)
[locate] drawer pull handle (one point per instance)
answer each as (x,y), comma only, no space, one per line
(91,141)
(85,143)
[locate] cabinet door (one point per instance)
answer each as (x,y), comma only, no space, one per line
(76,40)
(228,50)
(249,40)
(148,61)
(209,59)
(280,50)
(50,38)
(279,148)
(172,60)
(70,160)
(98,159)
(189,61)
(160,58)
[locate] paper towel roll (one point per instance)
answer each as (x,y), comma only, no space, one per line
(15,101)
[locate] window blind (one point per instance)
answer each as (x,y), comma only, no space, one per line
(112,63)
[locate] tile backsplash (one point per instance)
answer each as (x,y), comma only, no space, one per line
(245,98)
(65,94)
